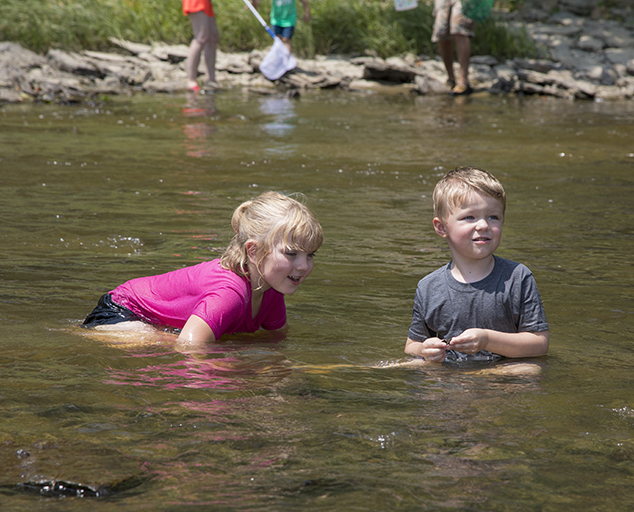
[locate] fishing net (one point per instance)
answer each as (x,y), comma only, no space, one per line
(477,10)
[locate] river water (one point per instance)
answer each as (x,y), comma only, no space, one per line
(95,195)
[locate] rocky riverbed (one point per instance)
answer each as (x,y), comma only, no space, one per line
(584,54)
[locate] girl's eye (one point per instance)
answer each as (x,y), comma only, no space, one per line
(290,253)
(311,255)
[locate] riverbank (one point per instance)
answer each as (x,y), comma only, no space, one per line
(582,56)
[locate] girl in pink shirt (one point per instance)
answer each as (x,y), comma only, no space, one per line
(269,257)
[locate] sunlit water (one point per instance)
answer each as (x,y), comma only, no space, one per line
(95,195)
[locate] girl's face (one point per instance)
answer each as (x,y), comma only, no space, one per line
(285,269)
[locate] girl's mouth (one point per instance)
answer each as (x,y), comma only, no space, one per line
(294,279)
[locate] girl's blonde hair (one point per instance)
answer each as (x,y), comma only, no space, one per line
(267,220)
(452,190)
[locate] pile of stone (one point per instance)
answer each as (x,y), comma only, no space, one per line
(583,56)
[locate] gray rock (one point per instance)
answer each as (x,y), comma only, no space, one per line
(540,65)
(73,63)
(128,70)
(171,53)
(378,69)
(133,48)
(619,55)
(566,19)
(487,60)
(10,96)
(581,7)
(14,56)
(555,30)
(165,86)
(590,44)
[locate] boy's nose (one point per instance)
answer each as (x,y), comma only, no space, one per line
(482,224)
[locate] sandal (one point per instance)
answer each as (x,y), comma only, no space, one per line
(461,90)
(450,84)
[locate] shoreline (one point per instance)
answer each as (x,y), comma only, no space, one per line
(581,58)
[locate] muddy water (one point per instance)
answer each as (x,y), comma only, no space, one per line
(93,196)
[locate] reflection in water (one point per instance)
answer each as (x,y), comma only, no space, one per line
(242,427)
(230,373)
(201,108)
(284,118)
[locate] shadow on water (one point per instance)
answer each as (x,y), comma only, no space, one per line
(323,419)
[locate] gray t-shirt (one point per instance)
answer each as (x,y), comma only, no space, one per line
(507,300)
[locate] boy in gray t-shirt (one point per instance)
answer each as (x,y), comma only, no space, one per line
(479,307)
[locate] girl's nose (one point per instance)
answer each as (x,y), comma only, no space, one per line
(301,263)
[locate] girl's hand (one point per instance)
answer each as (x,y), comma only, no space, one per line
(470,341)
(434,350)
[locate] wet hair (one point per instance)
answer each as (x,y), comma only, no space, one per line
(455,186)
(270,219)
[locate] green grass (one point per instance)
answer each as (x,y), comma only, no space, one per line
(337,26)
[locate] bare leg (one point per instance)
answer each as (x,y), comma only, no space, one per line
(210,50)
(445,49)
(205,39)
(463,51)
(287,42)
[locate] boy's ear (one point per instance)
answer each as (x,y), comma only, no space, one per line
(439,227)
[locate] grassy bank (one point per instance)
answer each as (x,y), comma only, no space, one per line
(337,26)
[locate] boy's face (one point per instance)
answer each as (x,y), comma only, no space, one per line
(474,228)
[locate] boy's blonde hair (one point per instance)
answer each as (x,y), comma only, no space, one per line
(267,220)
(454,187)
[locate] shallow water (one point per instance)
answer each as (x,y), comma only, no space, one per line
(93,196)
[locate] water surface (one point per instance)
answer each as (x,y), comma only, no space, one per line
(95,195)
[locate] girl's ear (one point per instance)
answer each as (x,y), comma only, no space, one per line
(439,227)
(252,251)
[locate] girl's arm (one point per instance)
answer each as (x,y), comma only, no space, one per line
(520,344)
(195,332)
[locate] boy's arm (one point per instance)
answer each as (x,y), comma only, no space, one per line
(520,344)
(432,349)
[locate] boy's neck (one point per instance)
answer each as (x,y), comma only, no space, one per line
(471,271)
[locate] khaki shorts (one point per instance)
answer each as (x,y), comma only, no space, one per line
(449,21)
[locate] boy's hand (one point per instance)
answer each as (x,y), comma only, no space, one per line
(434,350)
(470,341)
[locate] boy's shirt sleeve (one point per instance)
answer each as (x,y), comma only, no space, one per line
(532,314)
(418,330)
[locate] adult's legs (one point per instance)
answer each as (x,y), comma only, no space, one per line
(205,40)
(445,48)
(463,52)
(210,49)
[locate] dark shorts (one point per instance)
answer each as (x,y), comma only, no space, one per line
(285,32)
(108,313)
